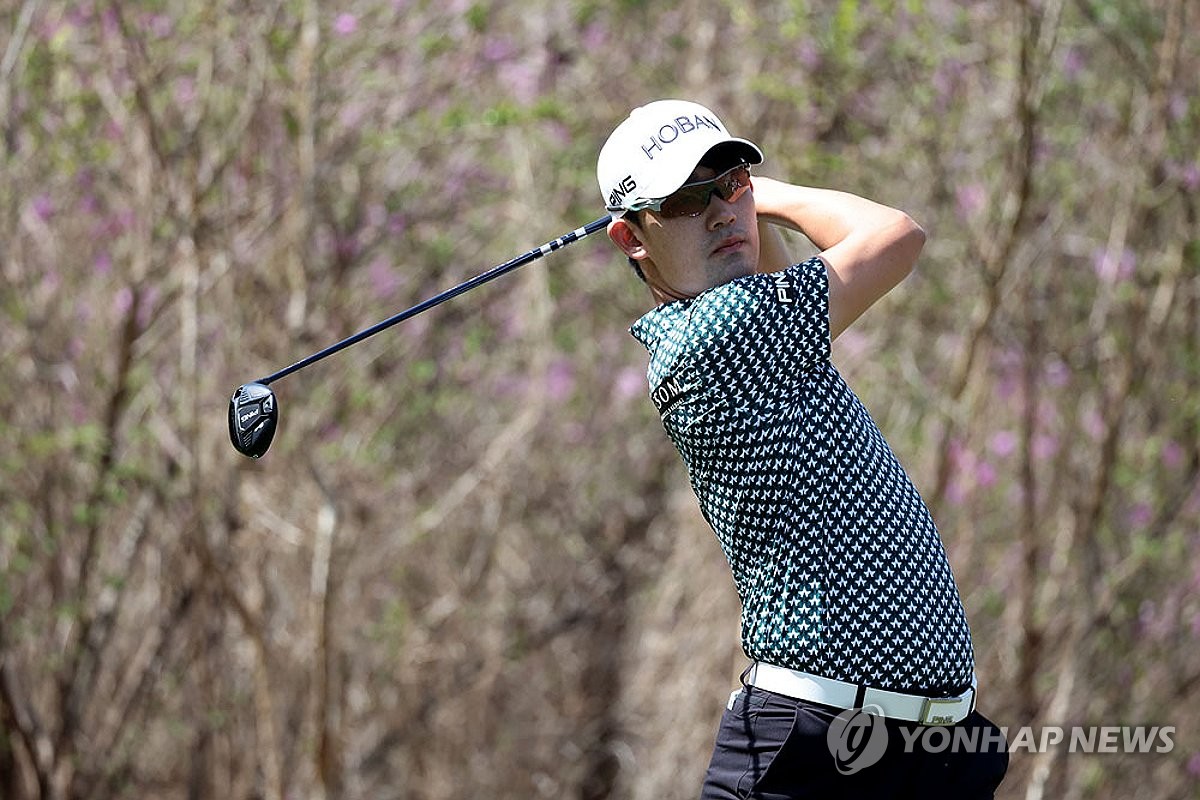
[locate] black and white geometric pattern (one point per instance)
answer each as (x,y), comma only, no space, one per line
(834,554)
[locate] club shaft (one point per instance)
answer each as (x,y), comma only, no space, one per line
(425,305)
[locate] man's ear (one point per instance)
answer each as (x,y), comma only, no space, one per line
(627,238)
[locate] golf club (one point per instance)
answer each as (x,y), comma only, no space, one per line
(253,409)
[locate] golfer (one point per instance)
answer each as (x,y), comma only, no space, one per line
(848,601)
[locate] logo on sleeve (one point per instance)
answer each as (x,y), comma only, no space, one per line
(668,394)
(783,289)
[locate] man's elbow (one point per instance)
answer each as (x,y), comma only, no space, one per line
(910,241)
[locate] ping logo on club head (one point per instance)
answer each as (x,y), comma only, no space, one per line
(857,738)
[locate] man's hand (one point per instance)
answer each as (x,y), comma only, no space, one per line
(867,247)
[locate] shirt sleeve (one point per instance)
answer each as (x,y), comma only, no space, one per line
(756,334)
(801,303)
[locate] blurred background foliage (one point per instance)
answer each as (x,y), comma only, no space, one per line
(470,565)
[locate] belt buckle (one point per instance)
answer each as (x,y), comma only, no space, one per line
(931,707)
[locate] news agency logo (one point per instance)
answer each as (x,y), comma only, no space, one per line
(857,738)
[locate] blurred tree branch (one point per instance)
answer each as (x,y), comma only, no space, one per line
(8,71)
(1036,39)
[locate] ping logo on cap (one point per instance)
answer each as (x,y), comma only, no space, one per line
(676,128)
(621,191)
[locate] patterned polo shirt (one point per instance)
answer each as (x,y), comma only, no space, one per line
(835,556)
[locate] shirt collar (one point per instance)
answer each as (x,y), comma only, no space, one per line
(654,324)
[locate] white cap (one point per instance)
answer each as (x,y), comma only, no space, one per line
(652,153)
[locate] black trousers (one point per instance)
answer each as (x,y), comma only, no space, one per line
(771,747)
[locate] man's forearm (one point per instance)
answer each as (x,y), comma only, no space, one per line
(825,216)
(868,247)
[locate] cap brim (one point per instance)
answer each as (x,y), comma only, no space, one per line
(677,175)
(737,148)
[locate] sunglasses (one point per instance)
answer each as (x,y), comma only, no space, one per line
(691,199)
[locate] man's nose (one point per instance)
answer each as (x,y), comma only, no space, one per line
(720,212)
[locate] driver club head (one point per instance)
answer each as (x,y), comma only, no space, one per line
(253,417)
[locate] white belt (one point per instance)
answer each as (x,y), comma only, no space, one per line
(840,694)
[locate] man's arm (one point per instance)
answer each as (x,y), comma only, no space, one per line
(867,247)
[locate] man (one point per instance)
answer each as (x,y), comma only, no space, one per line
(848,601)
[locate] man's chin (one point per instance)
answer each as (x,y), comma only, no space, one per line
(732,266)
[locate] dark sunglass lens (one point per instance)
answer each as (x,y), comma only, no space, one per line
(733,184)
(690,201)
(687,202)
